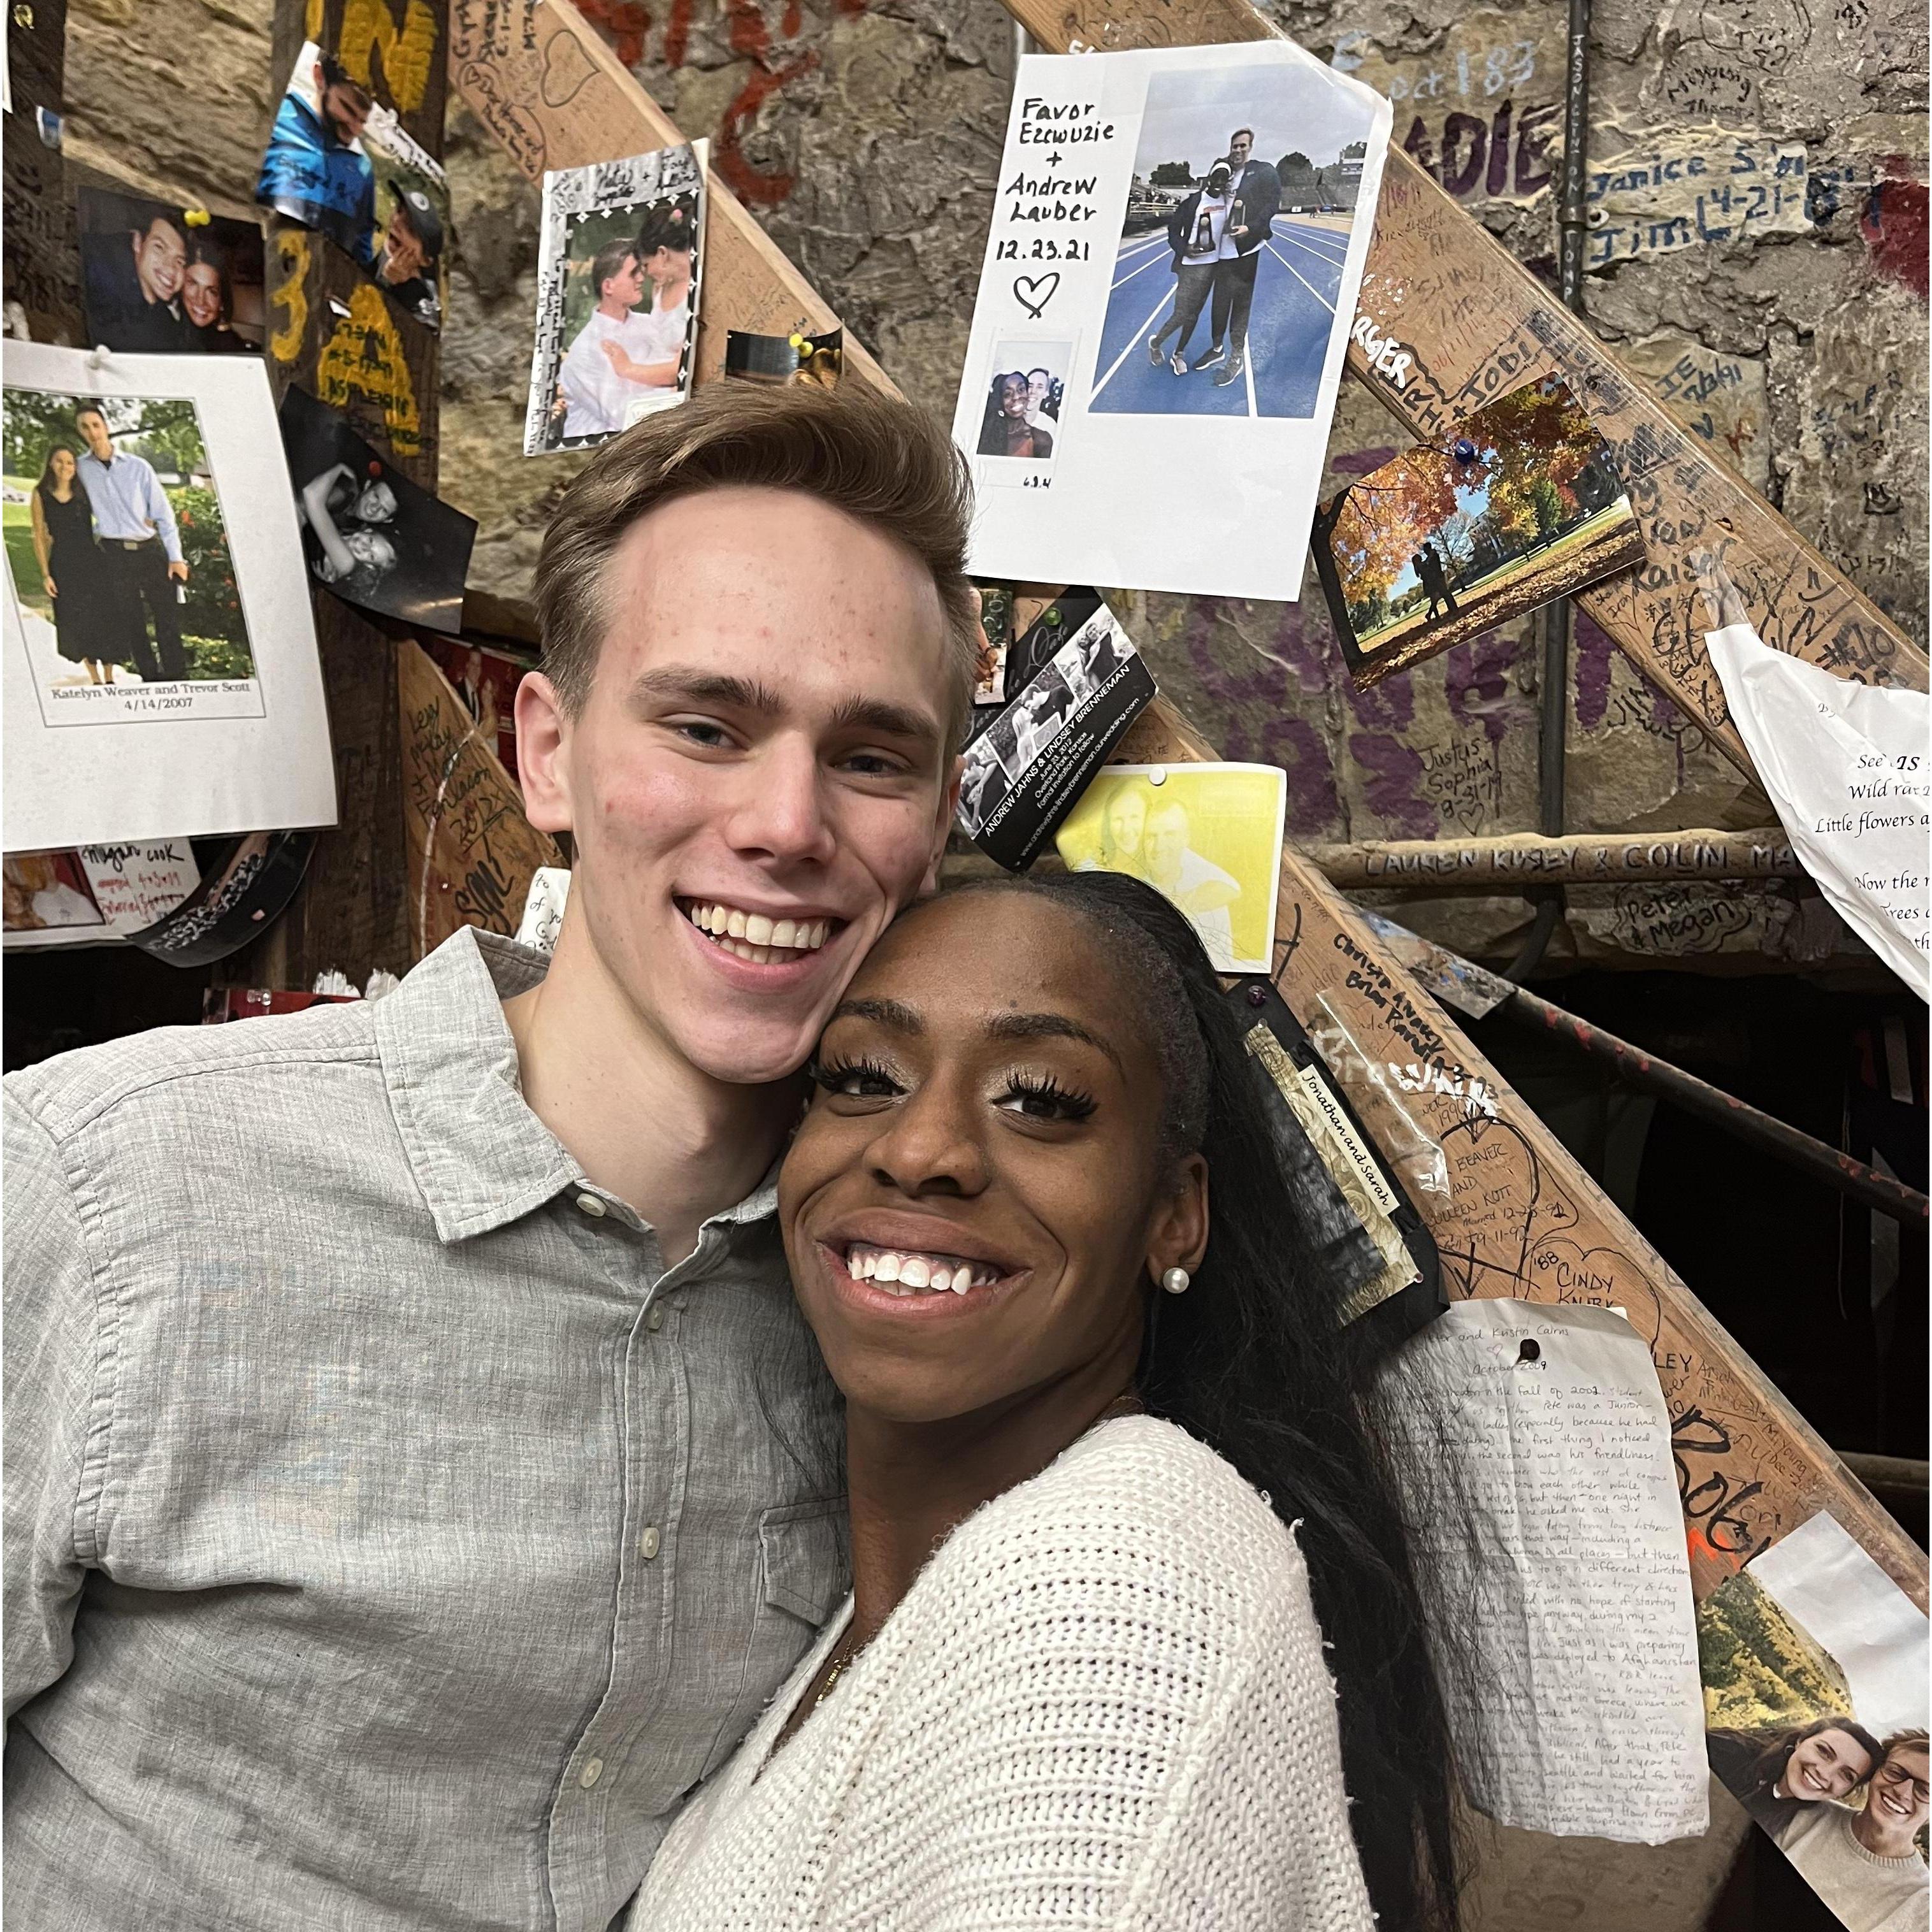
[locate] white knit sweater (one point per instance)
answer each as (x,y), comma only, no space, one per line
(1103,1703)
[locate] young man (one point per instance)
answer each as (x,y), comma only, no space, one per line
(413,1477)
(1254,190)
(411,247)
(144,289)
(1866,1864)
(141,559)
(618,359)
(315,170)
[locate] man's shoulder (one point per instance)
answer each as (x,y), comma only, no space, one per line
(187,1065)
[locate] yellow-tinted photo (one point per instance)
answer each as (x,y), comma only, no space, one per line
(1207,837)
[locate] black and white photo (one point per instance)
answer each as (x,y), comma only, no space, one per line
(1032,760)
(368,532)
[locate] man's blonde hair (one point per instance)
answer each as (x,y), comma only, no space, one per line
(879,459)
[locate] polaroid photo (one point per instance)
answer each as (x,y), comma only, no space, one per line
(1025,390)
(1208,837)
(371,535)
(1492,517)
(619,272)
(167,280)
(1024,770)
(339,162)
(1815,1695)
(158,665)
(1196,220)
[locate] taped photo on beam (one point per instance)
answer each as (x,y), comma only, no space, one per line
(1515,505)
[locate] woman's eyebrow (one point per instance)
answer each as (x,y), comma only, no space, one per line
(894,1013)
(1048,1026)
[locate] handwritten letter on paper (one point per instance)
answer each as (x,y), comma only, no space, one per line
(1849,767)
(1549,1536)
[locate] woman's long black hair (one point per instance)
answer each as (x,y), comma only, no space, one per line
(1252,1361)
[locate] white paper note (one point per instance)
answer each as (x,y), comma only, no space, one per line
(1550,1538)
(1849,767)
(1152,208)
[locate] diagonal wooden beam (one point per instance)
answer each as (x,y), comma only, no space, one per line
(1515,1214)
(1474,324)
(543,81)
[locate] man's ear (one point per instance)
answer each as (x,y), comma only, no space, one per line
(1179,1237)
(543,739)
(949,806)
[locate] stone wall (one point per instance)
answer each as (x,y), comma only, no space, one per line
(865,133)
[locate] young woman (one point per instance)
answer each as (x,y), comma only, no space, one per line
(207,303)
(344,513)
(1006,431)
(1108,1486)
(1194,233)
(664,255)
(1775,1773)
(70,561)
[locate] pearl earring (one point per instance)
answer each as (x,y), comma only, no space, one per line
(1176,1280)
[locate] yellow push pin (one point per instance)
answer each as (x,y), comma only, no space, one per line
(197,217)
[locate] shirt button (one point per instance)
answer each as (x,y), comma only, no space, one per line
(591,1773)
(649,1542)
(588,1203)
(655,1320)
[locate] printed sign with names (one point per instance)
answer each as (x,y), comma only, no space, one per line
(1177,243)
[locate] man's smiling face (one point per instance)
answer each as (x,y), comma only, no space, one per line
(758,778)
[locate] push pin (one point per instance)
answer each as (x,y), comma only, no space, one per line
(1529,1351)
(1157,774)
(197,217)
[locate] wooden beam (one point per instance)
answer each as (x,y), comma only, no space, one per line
(542,80)
(1522,859)
(1514,1214)
(333,333)
(1476,323)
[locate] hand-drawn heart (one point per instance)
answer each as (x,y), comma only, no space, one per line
(1034,292)
(566,67)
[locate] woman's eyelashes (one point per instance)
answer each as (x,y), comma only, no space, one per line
(855,1079)
(1032,1095)
(1039,1097)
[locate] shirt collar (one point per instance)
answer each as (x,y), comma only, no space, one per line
(480,1157)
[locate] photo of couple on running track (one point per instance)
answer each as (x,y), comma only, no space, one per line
(1169,281)
(1226,278)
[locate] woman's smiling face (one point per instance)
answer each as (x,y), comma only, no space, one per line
(987,1112)
(1829,1764)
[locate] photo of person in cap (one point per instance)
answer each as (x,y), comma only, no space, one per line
(412,250)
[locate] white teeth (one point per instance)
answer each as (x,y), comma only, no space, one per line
(788,937)
(917,1273)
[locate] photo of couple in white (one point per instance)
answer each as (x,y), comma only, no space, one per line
(537,1509)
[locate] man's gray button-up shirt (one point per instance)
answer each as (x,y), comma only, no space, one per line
(337,1427)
